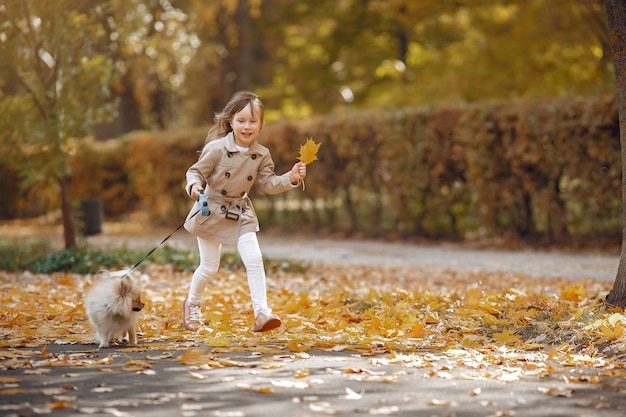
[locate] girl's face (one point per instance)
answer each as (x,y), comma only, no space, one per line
(246,126)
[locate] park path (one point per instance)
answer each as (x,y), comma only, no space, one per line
(329,251)
(529,262)
(332,251)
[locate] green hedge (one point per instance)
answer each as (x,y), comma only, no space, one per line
(546,169)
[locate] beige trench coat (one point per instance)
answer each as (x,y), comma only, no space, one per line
(227,176)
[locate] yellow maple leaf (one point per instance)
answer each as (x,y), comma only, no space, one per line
(57,405)
(613,332)
(471,341)
(308,151)
(574,293)
(507,336)
(192,356)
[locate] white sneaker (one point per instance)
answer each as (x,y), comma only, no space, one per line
(266,321)
(191,316)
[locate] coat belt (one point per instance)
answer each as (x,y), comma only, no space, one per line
(221,198)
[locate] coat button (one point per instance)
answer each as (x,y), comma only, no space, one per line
(254,156)
(249,177)
(223,208)
(230,154)
(223,192)
(227,175)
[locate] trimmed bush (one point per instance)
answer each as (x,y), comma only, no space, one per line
(548,170)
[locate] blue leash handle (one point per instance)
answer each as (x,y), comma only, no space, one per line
(204,204)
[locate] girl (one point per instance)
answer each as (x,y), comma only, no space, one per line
(231,162)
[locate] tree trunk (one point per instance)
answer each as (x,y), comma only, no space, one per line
(68,214)
(245,60)
(616,14)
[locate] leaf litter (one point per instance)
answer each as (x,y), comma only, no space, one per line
(454,325)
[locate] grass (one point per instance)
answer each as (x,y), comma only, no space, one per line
(38,256)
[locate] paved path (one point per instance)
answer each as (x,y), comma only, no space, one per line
(154,383)
(534,263)
(369,252)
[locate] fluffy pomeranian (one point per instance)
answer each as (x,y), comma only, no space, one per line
(113,304)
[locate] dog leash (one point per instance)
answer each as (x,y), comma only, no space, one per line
(204,209)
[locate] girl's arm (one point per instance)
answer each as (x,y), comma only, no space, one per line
(198,173)
(270,183)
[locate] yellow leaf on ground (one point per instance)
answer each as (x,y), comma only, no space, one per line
(13,391)
(471,341)
(574,293)
(192,356)
(57,405)
(507,336)
(196,375)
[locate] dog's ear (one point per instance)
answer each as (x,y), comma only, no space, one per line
(126,285)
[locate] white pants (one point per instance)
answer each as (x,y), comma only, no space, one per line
(250,253)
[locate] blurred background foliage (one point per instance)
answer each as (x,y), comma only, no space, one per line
(470,89)
(545,171)
(175,63)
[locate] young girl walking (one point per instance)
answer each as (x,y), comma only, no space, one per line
(231,162)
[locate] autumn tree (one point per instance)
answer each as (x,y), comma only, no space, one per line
(326,55)
(56,81)
(616,13)
(229,55)
(151,43)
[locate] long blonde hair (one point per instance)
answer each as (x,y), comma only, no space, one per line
(238,102)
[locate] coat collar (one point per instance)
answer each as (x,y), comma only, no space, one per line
(255,147)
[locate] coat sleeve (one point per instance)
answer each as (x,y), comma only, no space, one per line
(267,180)
(201,170)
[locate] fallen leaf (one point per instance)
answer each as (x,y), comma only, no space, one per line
(352,395)
(507,336)
(13,391)
(556,392)
(386,410)
(290,384)
(60,405)
(260,390)
(102,389)
(324,408)
(198,376)
(442,403)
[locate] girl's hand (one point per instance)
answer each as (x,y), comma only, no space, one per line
(297,173)
(196,189)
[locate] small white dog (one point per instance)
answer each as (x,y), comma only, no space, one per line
(113,304)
